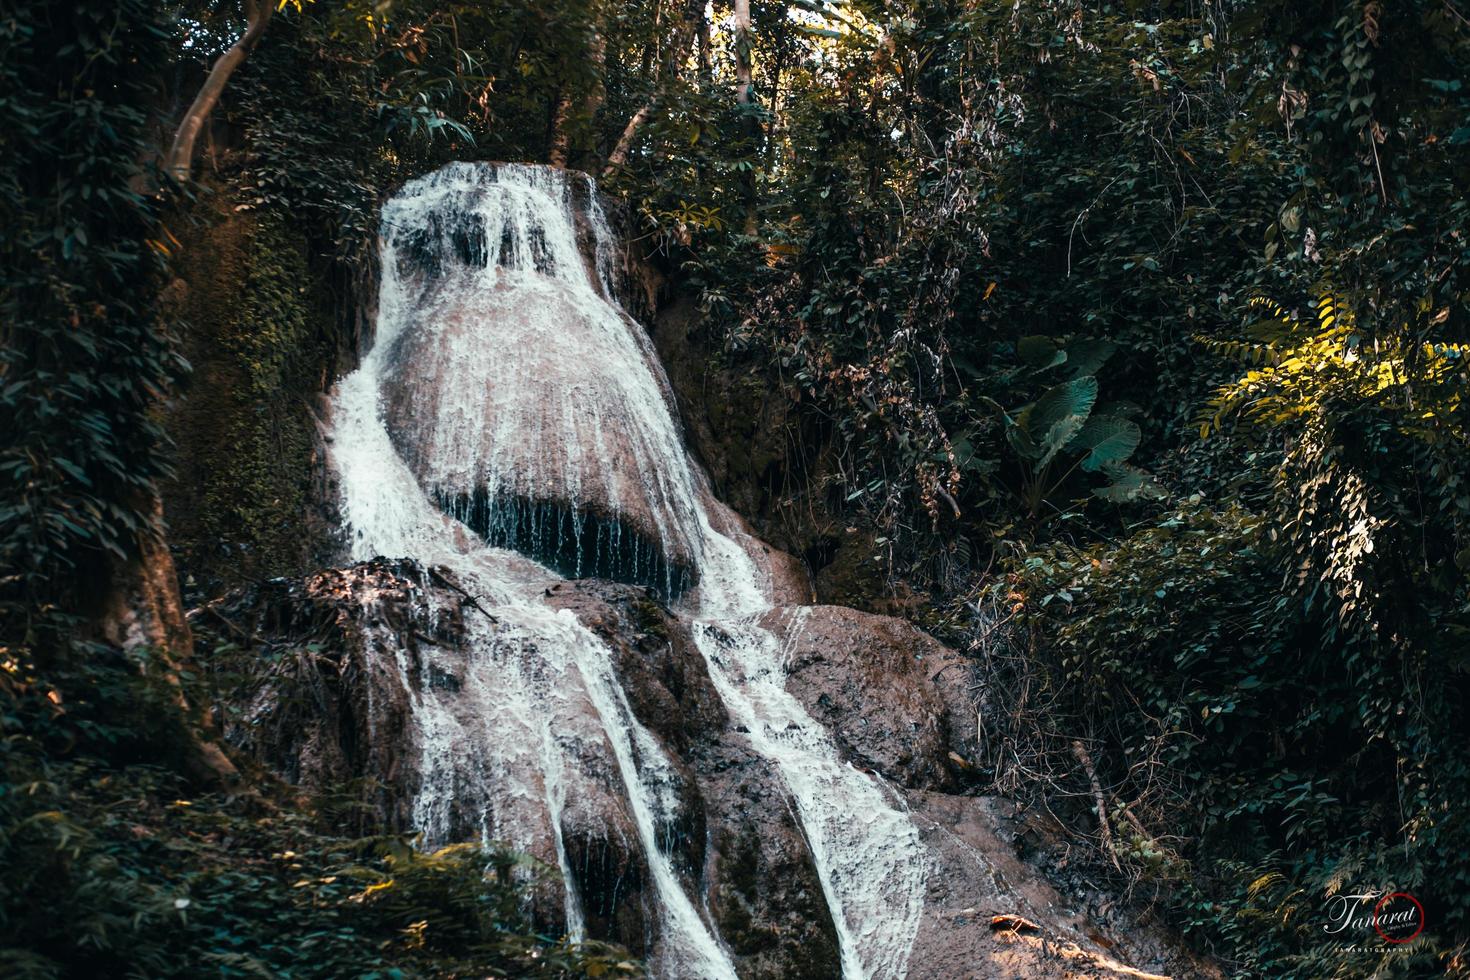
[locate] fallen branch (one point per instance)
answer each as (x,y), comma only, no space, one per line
(444,580)
(1080,751)
(244,637)
(948,499)
(1006,922)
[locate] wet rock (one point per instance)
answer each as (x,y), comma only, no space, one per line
(764,893)
(851,576)
(977,877)
(892,697)
(737,423)
(611,880)
(783,577)
(337,659)
(336,670)
(318,705)
(556,461)
(578,721)
(736,838)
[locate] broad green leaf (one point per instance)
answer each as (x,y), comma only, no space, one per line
(1107,440)
(1022,442)
(1127,483)
(1086,355)
(1075,397)
(1058,436)
(1037,351)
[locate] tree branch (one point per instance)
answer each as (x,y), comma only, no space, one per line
(1080,751)
(179,161)
(693,14)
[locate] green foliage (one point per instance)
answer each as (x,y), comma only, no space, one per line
(115,867)
(947,187)
(1229,734)
(84,360)
(929,203)
(971,222)
(1061,424)
(245,430)
(1304,367)
(1316,722)
(1377,444)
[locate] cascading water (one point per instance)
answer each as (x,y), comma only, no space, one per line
(510,403)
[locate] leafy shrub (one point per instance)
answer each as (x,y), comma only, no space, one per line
(115,867)
(1062,424)
(1284,690)
(84,359)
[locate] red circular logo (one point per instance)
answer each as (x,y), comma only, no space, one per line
(1403,912)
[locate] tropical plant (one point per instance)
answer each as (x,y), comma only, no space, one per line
(1062,431)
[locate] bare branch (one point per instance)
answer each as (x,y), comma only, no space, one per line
(179,161)
(688,28)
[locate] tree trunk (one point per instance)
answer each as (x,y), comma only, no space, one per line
(592,105)
(742,52)
(142,612)
(179,162)
(706,57)
(743,87)
(561,139)
(668,72)
(619,155)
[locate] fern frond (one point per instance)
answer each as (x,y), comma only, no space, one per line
(1277,327)
(1264,882)
(1272,307)
(1241,351)
(1328,312)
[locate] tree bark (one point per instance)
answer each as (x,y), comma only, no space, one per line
(561,139)
(706,57)
(668,72)
(179,161)
(143,613)
(743,87)
(592,105)
(574,139)
(742,52)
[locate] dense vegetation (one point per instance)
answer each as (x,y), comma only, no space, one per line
(1128,335)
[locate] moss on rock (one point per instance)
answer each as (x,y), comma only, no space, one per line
(258,336)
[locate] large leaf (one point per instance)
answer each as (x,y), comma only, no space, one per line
(1085,356)
(1107,440)
(1127,483)
(1057,437)
(1075,397)
(1022,443)
(1039,351)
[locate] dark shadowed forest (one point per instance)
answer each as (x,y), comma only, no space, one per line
(1108,358)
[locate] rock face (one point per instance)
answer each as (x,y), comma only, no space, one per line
(321,706)
(881,688)
(508,398)
(328,708)
(358,664)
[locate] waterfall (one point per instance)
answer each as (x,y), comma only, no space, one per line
(512,424)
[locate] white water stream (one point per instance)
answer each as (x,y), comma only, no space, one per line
(507,388)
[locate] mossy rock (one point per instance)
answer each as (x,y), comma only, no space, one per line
(257,331)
